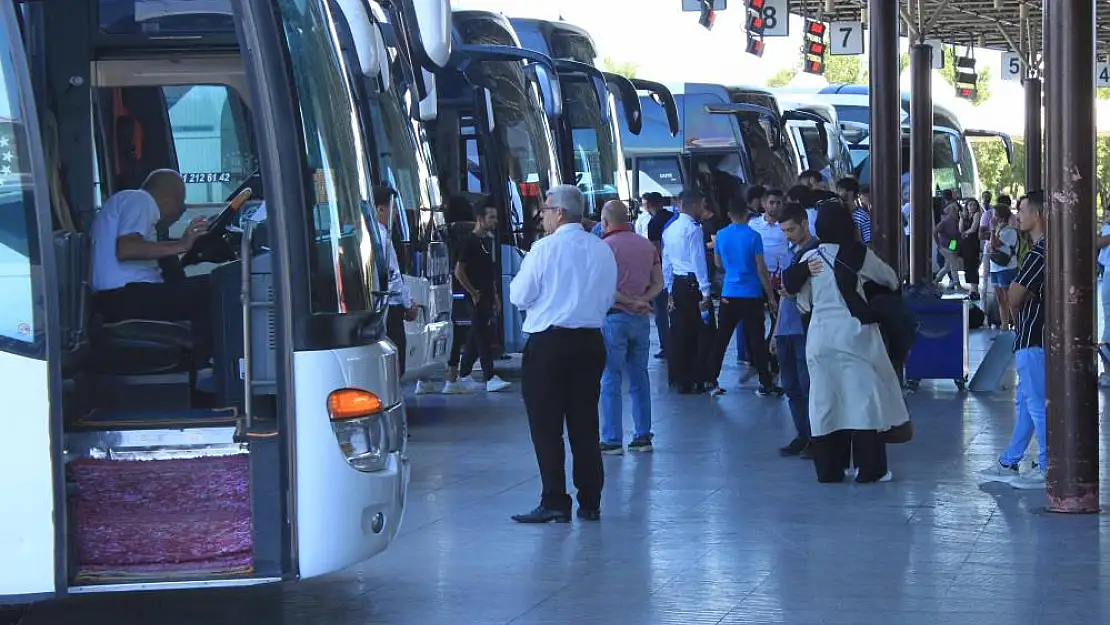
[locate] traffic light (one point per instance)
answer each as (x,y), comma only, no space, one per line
(967,81)
(814,47)
(708,14)
(755,27)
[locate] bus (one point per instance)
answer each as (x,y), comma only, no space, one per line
(139,469)
(493,142)
(729,138)
(389,99)
(820,145)
(587,135)
(953,159)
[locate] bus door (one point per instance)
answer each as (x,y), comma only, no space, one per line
(32,527)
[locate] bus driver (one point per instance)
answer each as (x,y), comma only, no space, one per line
(127,281)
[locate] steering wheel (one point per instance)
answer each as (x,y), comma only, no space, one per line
(215,246)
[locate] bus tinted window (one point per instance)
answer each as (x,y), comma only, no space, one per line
(595,162)
(212,137)
(344,257)
(165,17)
(661,174)
(20,327)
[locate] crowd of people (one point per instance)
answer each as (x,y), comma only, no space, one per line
(789,279)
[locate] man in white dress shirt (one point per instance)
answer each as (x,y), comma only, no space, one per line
(401,306)
(566,285)
(686,279)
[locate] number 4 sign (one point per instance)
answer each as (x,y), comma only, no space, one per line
(847,38)
(1102,72)
(1011,66)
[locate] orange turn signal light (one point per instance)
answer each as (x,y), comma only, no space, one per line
(352,403)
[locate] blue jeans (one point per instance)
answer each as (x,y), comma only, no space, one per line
(662,320)
(1029,404)
(627,343)
(794,377)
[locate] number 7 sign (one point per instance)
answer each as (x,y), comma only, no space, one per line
(846,38)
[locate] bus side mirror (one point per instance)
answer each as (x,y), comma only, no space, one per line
(433,24)
(366,37)
(427,110)
(550,91)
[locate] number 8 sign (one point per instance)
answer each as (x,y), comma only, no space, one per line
(846,38)
(776,18)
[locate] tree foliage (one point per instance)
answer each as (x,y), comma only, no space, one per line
(848,70)
(998,176)
(628,69)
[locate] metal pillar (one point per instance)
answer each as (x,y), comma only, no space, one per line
(1072,392)
(921,163)
(886,132)
(1033,138)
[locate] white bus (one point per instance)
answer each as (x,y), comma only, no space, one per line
(129,466)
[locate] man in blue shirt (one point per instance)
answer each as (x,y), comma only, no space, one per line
(790,338)
(745,294)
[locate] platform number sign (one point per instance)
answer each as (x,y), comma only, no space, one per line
(938,52)
(1102,72)
(1011,66)
(846,38)
(776,18)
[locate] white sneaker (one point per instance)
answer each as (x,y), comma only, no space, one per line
(424,388)
(471,384)
(496,384)
(456,388)
(998,473)
(1032,480)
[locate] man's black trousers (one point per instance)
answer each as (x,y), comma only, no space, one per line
(562,384)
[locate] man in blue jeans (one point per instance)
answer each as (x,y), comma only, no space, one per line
(1027,298)
(790,337)
(627,332)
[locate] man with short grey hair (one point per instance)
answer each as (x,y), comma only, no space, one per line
(566,285)
(627,332)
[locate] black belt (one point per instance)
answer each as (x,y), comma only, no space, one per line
(688,276)
(559,329)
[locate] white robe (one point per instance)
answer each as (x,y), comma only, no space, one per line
(853,386)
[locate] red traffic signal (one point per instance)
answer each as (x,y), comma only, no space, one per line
(708,14)
(756,5)
(816,29)
(814,67)
(816,48)
(755,46)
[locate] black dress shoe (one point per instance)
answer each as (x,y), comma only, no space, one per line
(543,515)
(589,515)
(795,447)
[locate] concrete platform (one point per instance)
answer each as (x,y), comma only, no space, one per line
(713,528)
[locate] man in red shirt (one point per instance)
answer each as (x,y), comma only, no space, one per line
(627,331)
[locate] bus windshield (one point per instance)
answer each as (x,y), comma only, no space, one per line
(595,152)
(21,323)
(344,258)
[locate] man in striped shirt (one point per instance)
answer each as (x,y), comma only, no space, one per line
(849,191)
(1026,296)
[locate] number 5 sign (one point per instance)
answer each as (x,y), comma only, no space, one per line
(847,38)
(1011,66)
(776,18)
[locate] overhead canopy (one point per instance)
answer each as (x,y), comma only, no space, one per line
(982,23)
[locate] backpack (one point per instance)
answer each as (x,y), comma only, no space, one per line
(1001,258)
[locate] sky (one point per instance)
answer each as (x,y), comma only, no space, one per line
(668,45)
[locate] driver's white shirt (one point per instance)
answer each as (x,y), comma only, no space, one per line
(127,212)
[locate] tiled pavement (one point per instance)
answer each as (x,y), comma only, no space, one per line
(713,527)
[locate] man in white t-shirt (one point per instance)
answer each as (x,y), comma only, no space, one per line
(127,280)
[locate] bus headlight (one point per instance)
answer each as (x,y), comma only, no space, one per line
(366,432)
